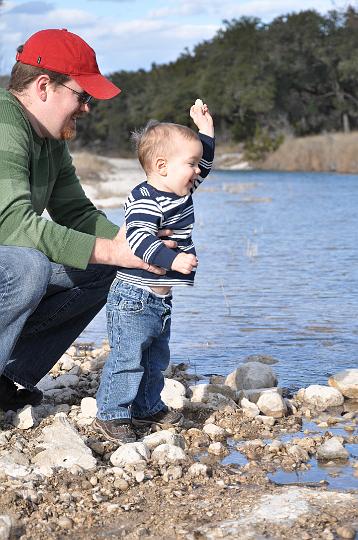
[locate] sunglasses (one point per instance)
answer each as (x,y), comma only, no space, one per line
(82,97)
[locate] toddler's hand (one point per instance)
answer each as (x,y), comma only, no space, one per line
(184,263)
(202,118)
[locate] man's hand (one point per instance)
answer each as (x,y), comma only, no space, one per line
(184,263)
(117,252)
(202,119)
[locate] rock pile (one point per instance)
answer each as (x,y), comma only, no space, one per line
(43,449)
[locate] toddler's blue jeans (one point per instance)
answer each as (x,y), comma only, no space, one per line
(138,325)
(44,307)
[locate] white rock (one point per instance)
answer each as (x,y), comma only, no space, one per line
(266,420)
(251,376)
(25,418)
(167,453)
(332,449)
(216,433)
(250,409)
(173,394)
(255,393)
(15,464)
(198,469)
(130,454)
(89,407)
(217,448)
(66,362)
(164,436)
(272,404)
(202,392)
(173,472)
(64,447)
(321,397)
(346,382)
(5,527)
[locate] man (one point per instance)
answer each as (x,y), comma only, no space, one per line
(54,275)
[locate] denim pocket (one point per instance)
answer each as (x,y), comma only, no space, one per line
(131,306)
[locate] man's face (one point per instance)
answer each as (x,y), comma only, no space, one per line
(66,108)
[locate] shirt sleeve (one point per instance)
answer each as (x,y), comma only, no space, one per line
(20,224)
(206,161)
(143,220)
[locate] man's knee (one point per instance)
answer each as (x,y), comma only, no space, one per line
(24,272)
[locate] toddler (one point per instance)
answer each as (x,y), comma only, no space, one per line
(175,161)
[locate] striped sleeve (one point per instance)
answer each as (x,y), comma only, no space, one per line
(143,220)
(206,161)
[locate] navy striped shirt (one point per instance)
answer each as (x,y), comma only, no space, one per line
(149,210)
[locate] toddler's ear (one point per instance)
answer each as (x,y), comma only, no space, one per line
(161,166)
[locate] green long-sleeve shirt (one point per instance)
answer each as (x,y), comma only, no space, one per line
(37,174)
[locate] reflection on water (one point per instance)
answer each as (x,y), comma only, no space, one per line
(277,275)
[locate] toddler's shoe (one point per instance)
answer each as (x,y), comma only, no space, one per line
(118,431)
(161,418)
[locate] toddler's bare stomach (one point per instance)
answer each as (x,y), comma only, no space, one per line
(161,290)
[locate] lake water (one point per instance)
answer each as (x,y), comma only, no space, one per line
(277,275)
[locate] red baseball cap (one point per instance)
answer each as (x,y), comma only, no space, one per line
(67,53)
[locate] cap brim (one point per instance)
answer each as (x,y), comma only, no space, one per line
(97,86)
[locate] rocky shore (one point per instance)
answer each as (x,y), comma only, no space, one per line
(60,479)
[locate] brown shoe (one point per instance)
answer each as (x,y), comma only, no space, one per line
(161,418)
(119,431)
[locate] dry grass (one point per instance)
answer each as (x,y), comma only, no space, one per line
(330,152)
(91,168)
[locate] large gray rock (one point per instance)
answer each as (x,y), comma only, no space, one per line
(64,447)
(332,449)
(346,382)
(322,397)
(251,376)
(272,404)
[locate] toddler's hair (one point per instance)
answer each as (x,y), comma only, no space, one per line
(157,139)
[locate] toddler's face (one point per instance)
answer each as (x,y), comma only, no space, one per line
(183,166)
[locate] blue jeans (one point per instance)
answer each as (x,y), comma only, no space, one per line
(138,324)
(44,307)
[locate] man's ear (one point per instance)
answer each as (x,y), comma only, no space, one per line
(42,84)
(161,166)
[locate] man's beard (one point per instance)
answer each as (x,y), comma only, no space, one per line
(67,134)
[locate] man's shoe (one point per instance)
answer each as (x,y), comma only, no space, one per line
(161,418)
(118,431)
(12,399)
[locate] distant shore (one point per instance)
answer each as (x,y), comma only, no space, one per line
(108,180)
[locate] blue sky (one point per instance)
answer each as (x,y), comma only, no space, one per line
(131,34)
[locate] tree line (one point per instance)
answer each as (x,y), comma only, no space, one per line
(296,75)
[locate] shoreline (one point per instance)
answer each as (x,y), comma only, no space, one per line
(217,475)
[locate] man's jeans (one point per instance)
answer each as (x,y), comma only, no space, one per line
(138,324)
(44,307)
